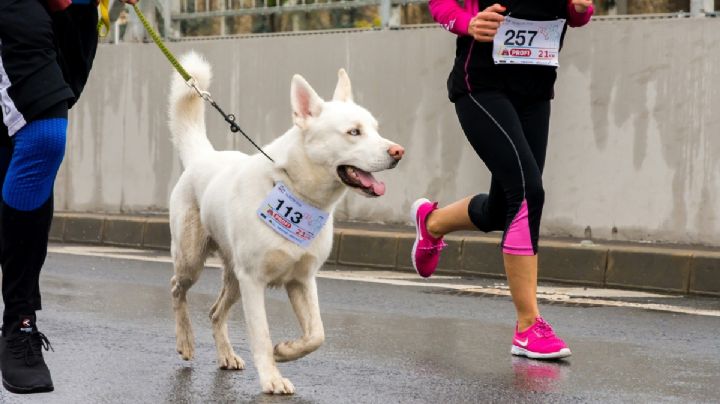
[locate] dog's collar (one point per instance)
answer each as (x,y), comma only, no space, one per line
(283,172)
(293,190)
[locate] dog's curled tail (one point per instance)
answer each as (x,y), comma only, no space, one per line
(187,109)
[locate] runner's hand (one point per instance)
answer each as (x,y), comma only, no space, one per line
(581,6)
(485,24)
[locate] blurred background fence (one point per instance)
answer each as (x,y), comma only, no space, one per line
(177,19)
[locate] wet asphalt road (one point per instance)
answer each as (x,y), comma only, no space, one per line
(110,322)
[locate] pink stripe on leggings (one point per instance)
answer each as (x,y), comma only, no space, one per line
(517,237)
(467,73)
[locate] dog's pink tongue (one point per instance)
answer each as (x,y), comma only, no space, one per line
(369,181)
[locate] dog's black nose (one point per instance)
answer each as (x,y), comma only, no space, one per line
(396,151)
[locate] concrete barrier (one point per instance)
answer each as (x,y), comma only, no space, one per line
(636,266)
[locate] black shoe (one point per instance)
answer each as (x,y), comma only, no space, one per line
(21,361)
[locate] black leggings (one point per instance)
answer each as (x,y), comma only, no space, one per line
(510,136)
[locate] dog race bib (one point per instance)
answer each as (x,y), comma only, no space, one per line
(528,42)
(292,218)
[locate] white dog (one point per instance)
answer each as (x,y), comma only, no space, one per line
(223,203)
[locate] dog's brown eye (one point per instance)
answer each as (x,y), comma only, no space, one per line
(354,132)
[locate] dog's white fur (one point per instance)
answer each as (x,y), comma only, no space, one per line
(213,209)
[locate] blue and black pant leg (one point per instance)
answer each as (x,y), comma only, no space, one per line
(45,60)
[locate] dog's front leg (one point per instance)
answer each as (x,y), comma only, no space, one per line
(253,300)
(304,299)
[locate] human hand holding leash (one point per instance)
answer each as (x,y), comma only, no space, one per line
(485,24)
(582,6)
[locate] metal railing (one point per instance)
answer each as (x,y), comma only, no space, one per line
(231,8)
(621,8)
(176,12)
(260,7)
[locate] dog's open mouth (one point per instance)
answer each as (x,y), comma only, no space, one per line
(363,180)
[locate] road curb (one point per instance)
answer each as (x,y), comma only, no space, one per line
(648,267)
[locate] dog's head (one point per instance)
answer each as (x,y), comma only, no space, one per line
(343,136)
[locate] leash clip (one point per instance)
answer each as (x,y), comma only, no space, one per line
(192,83)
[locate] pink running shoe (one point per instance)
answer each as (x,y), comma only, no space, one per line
(426,250)
(539,342)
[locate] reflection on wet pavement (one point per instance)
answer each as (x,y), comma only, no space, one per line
(112,327)
(539,376)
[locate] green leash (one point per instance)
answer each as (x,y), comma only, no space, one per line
(190,81)
(158,41)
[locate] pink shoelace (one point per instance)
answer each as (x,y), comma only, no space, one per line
(544,328)
(435,249)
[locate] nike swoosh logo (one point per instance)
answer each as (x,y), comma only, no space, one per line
(522,343)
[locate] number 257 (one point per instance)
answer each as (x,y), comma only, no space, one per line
(520,37)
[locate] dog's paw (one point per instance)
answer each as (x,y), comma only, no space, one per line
(185,349)
(232,362)
(292,350)
(284,352)
(278,385)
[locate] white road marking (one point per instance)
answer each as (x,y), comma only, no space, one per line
(569,295)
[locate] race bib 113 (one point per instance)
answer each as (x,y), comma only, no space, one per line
(528,42)
(292,218)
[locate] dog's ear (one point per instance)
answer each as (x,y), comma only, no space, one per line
(343,90)
(305,101)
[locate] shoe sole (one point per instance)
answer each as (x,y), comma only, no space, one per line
(415,206)
(517,351)
(27,390)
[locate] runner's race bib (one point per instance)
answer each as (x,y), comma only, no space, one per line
(292,218)
(528,42)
